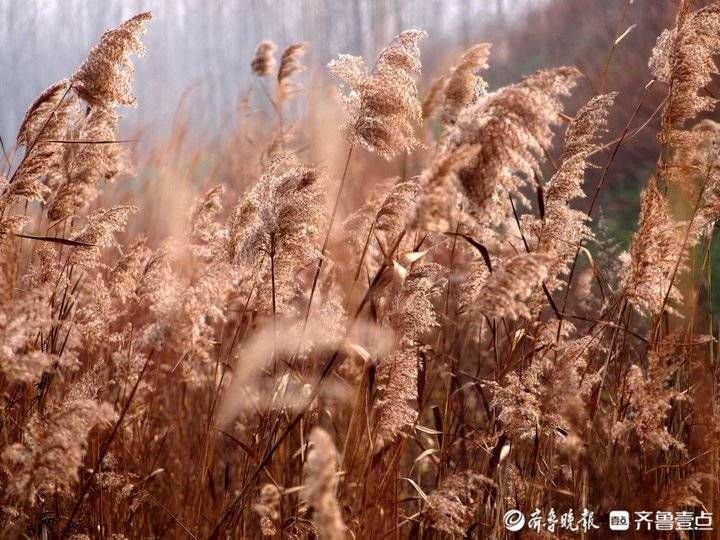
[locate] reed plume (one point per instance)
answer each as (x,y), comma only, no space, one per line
(551,397)
(562,228)
(651,396)
(434,97)
(47,119)
(648,270)
(451,506)
(105,78)
(320,485)
(279,220)
(385,216)
(48,460)
(506,292)
(464,86)
(98,234)
(87,165)
(382,105)
(290,64)
(510,128)
(268,509)
(684,58)
(411,315)
(440,203)
(263,63)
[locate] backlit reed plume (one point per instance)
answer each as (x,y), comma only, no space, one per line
(511,127)
(99,234)
(464,85)
(450,508)
(581,140)
(698,162)
(26,188)
(9,252)
(684,58)
(651,395)
(105,78)
(550,397)
(47,460)
(186,313)
(382,105)
(290,64)
(440,202)
(411,315)
(263,63)
(45,268)
(320,485)
(85,166)
(204,230)
(114,298)
(186,309)
(506,292)
(47,119)
(434,97)
(385,215)
(648,269)
(395,411)
(563,228)
(267,508)
(474,278)
(277,224)
(104,81)
(21,359)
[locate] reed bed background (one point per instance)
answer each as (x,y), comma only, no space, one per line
(258,339)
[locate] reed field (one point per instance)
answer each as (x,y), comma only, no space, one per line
(255,338)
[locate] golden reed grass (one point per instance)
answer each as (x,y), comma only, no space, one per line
(280,358)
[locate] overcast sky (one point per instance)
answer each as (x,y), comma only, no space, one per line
(205,45)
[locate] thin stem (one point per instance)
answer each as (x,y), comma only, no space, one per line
(596,193)
(272,277)
(278,111)
(105,448)
(616,35)
(5,154)
(327,234)
(30,148)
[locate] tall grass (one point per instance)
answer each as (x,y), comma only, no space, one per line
(247,341)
